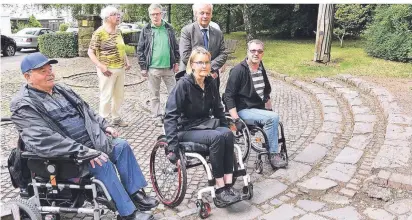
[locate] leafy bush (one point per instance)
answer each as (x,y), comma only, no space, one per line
(60,44)
(390,34)
(63,27)
(33,22)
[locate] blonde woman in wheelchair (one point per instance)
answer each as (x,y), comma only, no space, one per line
(188,119)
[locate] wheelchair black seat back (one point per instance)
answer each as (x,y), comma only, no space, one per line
(50,186)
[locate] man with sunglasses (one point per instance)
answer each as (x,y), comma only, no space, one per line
(158,54)
(247,96)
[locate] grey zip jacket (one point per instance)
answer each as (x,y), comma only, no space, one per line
(42,135)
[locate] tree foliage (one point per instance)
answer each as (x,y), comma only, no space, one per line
(389,36)
(350,20)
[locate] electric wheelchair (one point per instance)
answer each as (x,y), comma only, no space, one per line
(52,186)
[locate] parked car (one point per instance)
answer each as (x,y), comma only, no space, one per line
(27,37)
(73,30)
(8,46)
(128,27)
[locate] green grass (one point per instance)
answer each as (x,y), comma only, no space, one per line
(130,50)
(294,58)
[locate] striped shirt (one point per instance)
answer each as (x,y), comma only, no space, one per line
(65,115)
(257,79)
(109,47)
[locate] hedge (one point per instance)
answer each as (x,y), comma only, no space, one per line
(59,44)
(390,34)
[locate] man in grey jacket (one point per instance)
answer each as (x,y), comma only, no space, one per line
(159,57)
(52,120)
(201,33)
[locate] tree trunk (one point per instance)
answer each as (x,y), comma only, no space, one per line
(247,19)
(169,13)
(324,33)
(228,20)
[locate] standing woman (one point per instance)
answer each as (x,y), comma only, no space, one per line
(107,51)
(188,119)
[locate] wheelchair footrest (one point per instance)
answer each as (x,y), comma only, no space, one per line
(220,205)
(238,173)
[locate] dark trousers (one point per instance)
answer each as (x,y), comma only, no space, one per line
(221,146)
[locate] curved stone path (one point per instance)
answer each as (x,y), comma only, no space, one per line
(348,143)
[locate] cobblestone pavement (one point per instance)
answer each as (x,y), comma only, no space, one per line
(348,143)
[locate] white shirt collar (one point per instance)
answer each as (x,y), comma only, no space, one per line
(200,27)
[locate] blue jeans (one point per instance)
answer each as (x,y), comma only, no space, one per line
(270,120)
(131,176)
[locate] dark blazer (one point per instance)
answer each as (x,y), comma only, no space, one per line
(191,36)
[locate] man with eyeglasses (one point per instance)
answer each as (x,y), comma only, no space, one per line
(158,54)
(247,96)
(201,33)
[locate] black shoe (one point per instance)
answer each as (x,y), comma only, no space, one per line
(226,197)
(137,215)
(144,202)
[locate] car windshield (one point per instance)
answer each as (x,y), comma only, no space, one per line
(27,31)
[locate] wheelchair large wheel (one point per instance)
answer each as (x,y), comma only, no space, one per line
(242,138)
(169,180)
(24,209)
(259,140)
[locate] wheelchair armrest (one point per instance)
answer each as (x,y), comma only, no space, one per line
(31,155)
(87,155)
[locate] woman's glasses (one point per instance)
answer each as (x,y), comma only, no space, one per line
(201,63)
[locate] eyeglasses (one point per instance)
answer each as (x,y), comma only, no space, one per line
(155,14)
(254,51)
(201,63)
(115,14)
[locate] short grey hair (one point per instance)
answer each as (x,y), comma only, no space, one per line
(154,6)
(107,11)
(255,41)
(199,5)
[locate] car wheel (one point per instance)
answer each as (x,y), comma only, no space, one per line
(10,50)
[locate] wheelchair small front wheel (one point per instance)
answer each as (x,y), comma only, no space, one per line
(203,208)
(248,191)
(24,209)
(259,166)
(169,180)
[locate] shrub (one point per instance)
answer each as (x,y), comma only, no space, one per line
(63,27)
(60,44)
(390,34)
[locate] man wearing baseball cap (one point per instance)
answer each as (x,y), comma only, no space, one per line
(54,121)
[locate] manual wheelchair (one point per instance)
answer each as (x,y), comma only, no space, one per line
(252,136)
(53,187)
(170,180)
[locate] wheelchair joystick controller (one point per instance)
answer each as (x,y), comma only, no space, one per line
(85,155)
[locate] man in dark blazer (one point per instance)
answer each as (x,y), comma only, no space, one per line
(201,33)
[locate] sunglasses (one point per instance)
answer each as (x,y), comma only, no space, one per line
(254,51)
